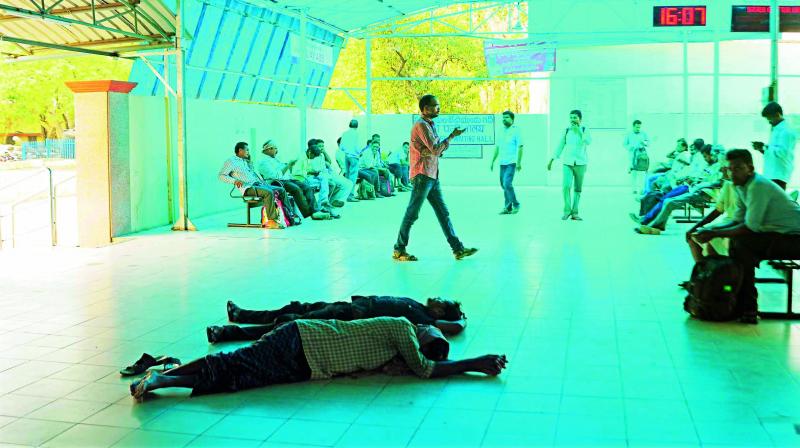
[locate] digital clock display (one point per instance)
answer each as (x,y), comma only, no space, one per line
(679,16)
(755,19)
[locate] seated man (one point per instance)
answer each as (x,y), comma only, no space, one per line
(725,205)
(384,175)
(444,314)
(367,171)
(238,170)
(766,226)
(313,169)
(397,162)
(340,186)
(677,160)
(276,172)
(311,350)
(701,192)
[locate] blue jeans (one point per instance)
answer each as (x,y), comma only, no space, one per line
(426,188)
(506,181)
(651,215)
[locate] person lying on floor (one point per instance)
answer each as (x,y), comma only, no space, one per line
(305,350)
(444,314)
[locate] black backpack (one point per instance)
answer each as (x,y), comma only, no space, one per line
(712,289)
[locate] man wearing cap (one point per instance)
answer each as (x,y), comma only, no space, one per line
(277,173)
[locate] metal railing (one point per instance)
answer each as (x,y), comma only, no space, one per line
(52,195)
(49,149)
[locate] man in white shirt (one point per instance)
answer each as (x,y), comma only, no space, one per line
(509,150)
(636,143)
(779,153)
(573,145)
(278,173)
(397,162)
(350,147)
(238,171)
(766,226)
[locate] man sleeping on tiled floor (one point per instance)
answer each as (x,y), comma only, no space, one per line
(308,349)
(444,314)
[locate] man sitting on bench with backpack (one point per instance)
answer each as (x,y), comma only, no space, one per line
(766,227)
(238,171)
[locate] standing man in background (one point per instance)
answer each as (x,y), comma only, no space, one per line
(636,143)
(510,151)
(573,145)
(352,152)
(424,153)
(779,153)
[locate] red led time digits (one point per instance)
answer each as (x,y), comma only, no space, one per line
(679,16)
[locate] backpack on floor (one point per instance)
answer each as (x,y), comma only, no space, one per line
(712,289)
(365,190)
(641,161)
(385,185)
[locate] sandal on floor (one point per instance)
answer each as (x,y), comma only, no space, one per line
(147,361)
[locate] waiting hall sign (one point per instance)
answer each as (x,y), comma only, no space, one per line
(469,145)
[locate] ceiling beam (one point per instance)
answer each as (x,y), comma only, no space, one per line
(59,20)
(68,11)
(34,43)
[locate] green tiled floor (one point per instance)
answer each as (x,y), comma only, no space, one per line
(600,352)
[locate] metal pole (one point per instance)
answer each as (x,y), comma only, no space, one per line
(715,116)
(53,234)
(368,44)
(168,132)
(304,77)
(685,85)
(774,28)
(183,222)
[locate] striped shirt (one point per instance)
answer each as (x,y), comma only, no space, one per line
(239,169)
(425,149)
(335,347)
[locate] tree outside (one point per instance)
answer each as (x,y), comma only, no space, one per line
(34,98)
(428,57)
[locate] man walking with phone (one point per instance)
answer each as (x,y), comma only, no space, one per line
(424,153)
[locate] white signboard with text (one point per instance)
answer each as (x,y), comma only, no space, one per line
(469,145)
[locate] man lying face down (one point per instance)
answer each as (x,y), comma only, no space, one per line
(304,350)
(444,314)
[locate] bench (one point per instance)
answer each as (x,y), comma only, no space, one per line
(687,214)
(250,202)
(786,268)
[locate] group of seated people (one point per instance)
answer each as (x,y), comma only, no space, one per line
(309,341)
(752,219)
(691,177)
(311,182)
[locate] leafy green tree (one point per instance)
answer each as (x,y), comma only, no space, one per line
(34,98)
(427,57)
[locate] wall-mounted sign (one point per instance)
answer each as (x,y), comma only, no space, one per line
(479,132)
(755,19)
(505,57)
(677,16)
(315,52)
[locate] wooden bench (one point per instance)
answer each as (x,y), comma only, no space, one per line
(250,202)
(786,268)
